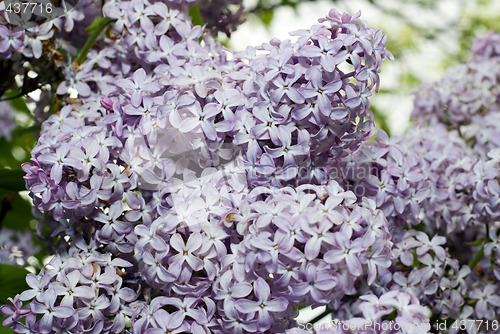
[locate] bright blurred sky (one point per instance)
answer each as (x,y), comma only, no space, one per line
(426,65)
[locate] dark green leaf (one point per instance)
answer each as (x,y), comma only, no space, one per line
(19,103)
(19,216)
(22,142)
(12,281)
(12,179)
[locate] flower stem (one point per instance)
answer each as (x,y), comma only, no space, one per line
(477,258)
(96,28)
(323,314)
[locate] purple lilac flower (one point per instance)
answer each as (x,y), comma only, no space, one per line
(50,311)
(11,40)
(263,306)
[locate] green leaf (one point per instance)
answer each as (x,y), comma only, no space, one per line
(380,120)
(478,242)
(12,281)
(18,103)
(96,25)
(22,142)
(95,29)
(18,218)
(391,316)
(266,16)
(195,15)
(12,179)
(3,329)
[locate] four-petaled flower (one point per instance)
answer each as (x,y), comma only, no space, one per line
(49,311)
(264,306)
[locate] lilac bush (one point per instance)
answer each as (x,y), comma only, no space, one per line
(183,187)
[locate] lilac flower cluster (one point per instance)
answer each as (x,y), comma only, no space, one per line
(78,291)
(16,247)
(460,163)
(462,206)
(465,91)
(311,100)
(22,37)
(386,172)
(438,188)
(448,261)
(463,183)
(7,120)
(142,191)
(38,45)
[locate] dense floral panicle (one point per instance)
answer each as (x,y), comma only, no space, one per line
(461,170)
(296,274)
(486,47)
(179,192)
(455,142)
(383,171)
(308,98)
(77,292)
(441,178)
(458,176)
(465,91)
(41,43)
